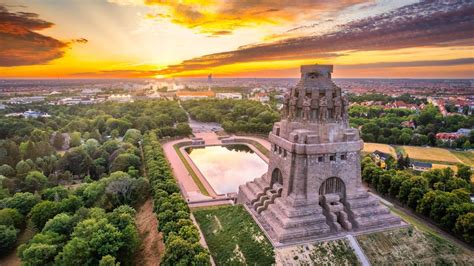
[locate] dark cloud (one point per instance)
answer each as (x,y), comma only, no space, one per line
(428,23)
(80,40)
(21,45)
(422,63)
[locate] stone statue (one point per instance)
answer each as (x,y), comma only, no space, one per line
(293,103)
(286,106)
(345,107)
(337,108)
(306,108)
(323,109)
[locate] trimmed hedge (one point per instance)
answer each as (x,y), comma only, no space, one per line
(180,234)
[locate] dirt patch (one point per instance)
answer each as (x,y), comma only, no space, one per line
(152,247)
(412,247)
(371,147)
(335,252)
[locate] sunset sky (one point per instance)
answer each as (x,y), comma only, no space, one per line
(235,38)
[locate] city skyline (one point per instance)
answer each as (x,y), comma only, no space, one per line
(148,38)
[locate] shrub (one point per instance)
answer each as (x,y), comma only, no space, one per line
(7,238)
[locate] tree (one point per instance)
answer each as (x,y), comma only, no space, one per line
(58,140)
(42,212)
(409,184)
(23,202)
(132,136)
(11,217)
(42,249)
(441,203)
(28,150)
(7,238)
(75,139)
(35,181)
(404,138)
(22,168)
(124,161)
(465,227)
(453,212)
(77,161)
(108,261)
(55,193)
(61,224)
(7,170)
(464,172)
(181,252)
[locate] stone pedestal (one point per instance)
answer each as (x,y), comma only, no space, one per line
(313,185)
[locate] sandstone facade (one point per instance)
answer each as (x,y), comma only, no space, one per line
(313,185)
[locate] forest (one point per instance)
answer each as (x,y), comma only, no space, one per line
(76,179)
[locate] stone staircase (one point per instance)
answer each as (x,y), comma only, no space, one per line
(335,213)
(366,212)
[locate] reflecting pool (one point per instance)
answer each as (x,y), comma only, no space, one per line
(227,167)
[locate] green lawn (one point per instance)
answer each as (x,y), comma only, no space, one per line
(408,246)
(196,179)
(233,236)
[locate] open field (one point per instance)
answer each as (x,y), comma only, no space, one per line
(442,166)
(336,252)
(409,246)
(233,237)
(430,154)
(371,147)
(467,157)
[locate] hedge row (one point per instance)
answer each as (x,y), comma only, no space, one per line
(180,234)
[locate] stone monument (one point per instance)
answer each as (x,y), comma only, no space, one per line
(313,186)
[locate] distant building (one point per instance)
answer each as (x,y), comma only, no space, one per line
(408,124)
(90,91)
(26,100)
(29,114)
(194,95)
(421,166)
(121,98)
(443,136)
(224,95)
(378,155)
(464,131)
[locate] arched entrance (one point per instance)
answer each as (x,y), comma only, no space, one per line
(333,185)
(277,177)
(332,194)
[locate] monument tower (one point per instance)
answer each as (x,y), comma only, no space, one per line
(313,185)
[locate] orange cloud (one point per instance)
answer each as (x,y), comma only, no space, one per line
(221,17)
(424,24)
(21,45)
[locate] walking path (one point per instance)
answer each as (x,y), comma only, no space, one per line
(358,251)
(152,247)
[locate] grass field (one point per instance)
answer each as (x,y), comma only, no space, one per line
(371,147)
(430,154)
(407,246)
(336,252)
(442,166)
(233,236)
(467,157)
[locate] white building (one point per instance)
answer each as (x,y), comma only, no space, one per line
(225,95)
(26,100)
(121,98)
